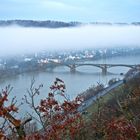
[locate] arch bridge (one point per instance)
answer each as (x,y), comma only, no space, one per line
(104,67)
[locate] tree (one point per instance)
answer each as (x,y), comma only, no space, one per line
(6,113)
(59,119)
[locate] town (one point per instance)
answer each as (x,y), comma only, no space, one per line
(13,65)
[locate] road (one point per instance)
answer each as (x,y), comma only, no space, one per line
(90,101)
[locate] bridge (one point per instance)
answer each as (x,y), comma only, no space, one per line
(104,67)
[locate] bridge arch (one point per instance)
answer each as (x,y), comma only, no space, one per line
(128,66)
(88,68)
(103,68)
(73,67)
(93,65)
(118,69)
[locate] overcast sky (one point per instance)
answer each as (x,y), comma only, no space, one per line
(72,10)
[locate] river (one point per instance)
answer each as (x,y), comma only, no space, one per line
(84,77)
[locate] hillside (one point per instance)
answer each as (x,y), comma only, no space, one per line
(56,24)
(116,116)
(33,23)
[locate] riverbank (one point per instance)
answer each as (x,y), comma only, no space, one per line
(106,94)
(116,114)
(34,66)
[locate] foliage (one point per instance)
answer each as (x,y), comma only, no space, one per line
(120,129)
(118,119)
(6,112)
(59,120)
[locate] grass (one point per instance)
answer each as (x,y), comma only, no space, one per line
(113,94)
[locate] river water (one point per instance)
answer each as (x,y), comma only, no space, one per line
(84,77)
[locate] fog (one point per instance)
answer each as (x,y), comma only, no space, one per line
(15,40)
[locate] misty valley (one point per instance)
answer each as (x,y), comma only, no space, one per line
(87,62)
(44,53)
(69,69)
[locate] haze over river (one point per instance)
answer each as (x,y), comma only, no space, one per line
(84,77)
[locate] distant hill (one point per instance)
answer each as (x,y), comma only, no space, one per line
(33,23)
(55,24)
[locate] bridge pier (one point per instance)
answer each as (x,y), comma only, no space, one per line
(73,68)
(104,71)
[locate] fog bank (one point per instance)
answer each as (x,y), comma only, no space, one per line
(15,40)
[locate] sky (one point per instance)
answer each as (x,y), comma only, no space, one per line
(71,10)
(18,39)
